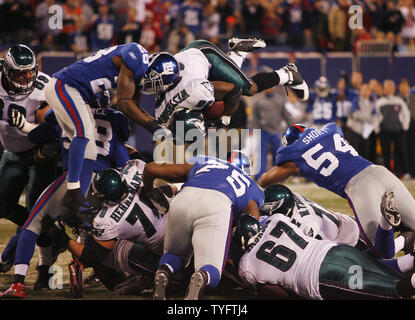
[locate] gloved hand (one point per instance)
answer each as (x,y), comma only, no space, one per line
(58,236)
(159,200)
(18,120)
(73,199)
(71,218)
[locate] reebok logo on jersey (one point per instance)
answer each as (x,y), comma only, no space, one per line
(208,85)
(132,55)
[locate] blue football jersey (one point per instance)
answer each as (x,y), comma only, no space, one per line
(215,174)
(323,110)
(112,132)
(97,73)
(324,157)
(344,106)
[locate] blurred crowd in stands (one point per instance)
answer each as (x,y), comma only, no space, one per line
(378,119)
(319,25)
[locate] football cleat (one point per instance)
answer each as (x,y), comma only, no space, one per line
(16,291)
(245,45)
(76,277)
(197,284)
(296,82)
(389,210)
(161,281)
(43,276)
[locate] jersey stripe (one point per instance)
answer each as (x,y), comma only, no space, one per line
(69,106)
(362,232)
(228,241)
(47,194)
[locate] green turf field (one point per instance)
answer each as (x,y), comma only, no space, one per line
(99,292)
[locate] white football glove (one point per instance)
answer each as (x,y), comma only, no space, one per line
(18,120)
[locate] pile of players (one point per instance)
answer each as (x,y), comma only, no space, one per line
(161,237)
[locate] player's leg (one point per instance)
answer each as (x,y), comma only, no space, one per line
(210,241)
(348,273)
(13,180)
(225,69)
(177,242)
(48,203)
(9,252)
(75,118)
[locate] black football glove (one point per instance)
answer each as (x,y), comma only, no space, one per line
(71,218)
(159,200)
(73,199)
(58,236)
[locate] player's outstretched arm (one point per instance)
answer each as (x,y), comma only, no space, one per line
(126,89)
(168,172)
(252,209)
(93,252)
(278,174)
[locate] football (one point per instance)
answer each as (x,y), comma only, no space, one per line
(215,111)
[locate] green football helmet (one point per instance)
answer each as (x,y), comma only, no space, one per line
(20,69)
(187,122)
(109,186)
(246,228)
(278,199)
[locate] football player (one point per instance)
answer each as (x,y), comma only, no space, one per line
(279,254)
(201,228)
(313,219)
(324,224)
(21,93)
(208,74)
(321,107)
(127,67)
(111,132)
(127,214)
(325,157)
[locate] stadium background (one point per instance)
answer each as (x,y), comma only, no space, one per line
(312,33)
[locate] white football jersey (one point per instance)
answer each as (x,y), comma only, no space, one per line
(12,138)
(283,255)
(313,219)
(135,218)
(193,91)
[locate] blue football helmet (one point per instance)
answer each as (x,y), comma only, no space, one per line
(163,70)
(292,134)
(240,160)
